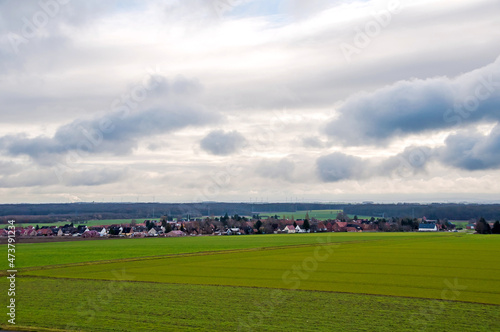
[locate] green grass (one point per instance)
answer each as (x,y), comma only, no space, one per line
(367,282)
(318,214)
(416,266)
(89,223)
(460,224)
(41,254)
(91,305)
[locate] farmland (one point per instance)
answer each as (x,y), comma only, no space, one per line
(340,281)
(317,214)
(88,223)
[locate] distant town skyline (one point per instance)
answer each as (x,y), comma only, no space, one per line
(241,101)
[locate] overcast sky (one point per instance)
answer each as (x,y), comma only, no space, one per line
(240,100)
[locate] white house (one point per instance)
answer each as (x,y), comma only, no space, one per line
(289,229)
(103,232)
(429,227)
(299,230)
(233,231)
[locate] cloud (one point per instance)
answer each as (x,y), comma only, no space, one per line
(221,143)
(339,166)
(417,106)
(281,169)
(119,131)
(472,150)
(36,176)
(313,142)
(467,150)
(95,177)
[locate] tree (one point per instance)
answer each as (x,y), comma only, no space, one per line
(356,217)
(268,227)
(294,224)
(37,227)
(482,227)
(164,223)
(168,228)
(306,225)
(224,219)
(258,225)
(496,227)
(150,225)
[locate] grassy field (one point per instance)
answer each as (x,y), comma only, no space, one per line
(46,254)
(297,282)
(418,266)
(91,305)
(89,223)
(318,214)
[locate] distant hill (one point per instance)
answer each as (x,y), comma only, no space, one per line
(85,211)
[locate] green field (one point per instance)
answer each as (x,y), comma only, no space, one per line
(317,214)
(297,282)
(89,223)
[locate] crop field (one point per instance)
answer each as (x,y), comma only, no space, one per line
(89,223)
(318,214)
(296,282)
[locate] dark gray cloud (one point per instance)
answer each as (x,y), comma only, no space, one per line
(467,150)
(412,107)
(472,150)
(9,167)
(281,169)
(339,166)
(223,143)
(119,131)
(411,162)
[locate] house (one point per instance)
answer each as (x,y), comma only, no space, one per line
(90,234)
(353,228)
(233,231)
(427,227)
(340,226)
(81,229)
(127,231)
(103,232)
(289,229)
(175,234)
(321,227)
(44,232)
(299,230)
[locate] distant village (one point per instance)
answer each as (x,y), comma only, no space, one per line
(236,225)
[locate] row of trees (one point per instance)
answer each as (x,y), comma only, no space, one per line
(482,227)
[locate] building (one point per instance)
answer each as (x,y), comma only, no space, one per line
(427,227)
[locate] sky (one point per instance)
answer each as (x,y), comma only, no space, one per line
(254,101)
